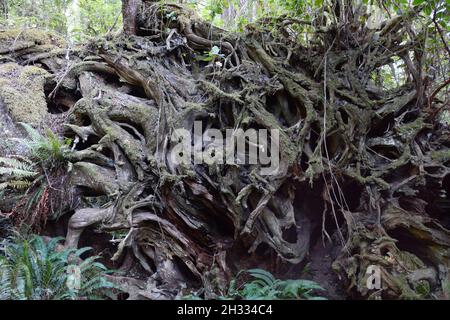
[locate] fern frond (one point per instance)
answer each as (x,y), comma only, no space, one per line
(20,184)
(34,135)
(16,163)
(17,173)
(45,147)
(265,286)
(33,269)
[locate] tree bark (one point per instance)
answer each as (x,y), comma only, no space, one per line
(130,10)
(4,8)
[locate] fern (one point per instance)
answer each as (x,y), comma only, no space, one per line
(33,269)
(47,148)
(17,162)
(35,195)
(47,154)
(19,184)
(264,286)
(34,135)
(5,288)
(17,173)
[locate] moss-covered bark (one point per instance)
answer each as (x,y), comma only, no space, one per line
(360,166)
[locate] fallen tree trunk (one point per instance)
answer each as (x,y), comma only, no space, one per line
(362,167)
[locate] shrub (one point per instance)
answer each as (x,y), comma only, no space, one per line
(41,174)
(265,286)
(34,269)
(47,150)
(262,285)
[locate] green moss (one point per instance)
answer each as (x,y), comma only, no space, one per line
(8,69)
(409,131)
(444,118)
(33,36)
(95,177)
(29,74)
(441,155)
(410,261)
(22,91)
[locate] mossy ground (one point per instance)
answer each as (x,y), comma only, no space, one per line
(22,92)
(13,38)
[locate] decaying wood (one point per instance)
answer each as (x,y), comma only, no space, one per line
(359,165)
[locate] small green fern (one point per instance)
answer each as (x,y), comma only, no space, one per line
(45,148)
(44,164)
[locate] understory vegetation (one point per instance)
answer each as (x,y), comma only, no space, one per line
(353,98)
(35,268)
(38,177)
(262,285)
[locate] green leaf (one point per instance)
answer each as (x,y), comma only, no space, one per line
(215,50)
(264,275)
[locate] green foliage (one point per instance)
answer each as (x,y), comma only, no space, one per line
(216,7)
(73,19)
(97,17)
(47,149)
(211,55)
(46,161)
(445,118)
(19,172)
(33,269)
(82,18)
(262,285)
(48,14)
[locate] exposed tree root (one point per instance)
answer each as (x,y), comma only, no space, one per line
(377,164)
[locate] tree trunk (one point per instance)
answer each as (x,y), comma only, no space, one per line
(4,8)
(130,9)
